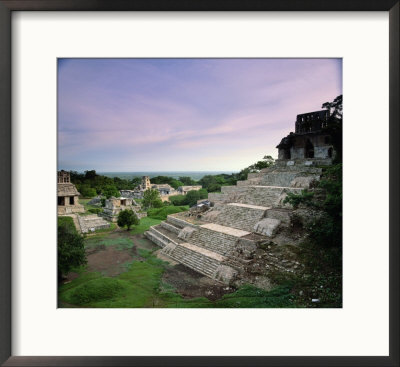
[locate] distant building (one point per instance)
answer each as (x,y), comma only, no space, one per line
(183,190)
(113,206)
(309,140)
(145,183)
(67,195)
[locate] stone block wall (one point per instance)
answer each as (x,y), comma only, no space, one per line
(238,216)
(177,222)
(218,242)
(194,260)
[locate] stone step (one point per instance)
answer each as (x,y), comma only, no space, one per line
(154,237)
(170,227)
(236,215)
(201,260)
(90,223)
(217,238)
(260,195)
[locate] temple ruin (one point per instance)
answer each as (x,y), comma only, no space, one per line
(309,140)
(113,206)
(67,195)
(247,232)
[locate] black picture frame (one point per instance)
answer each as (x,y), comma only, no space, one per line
(6,9)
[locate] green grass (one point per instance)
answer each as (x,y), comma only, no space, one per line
(87,207)
(141,286)
(162,213)
(121,243)
(144,225)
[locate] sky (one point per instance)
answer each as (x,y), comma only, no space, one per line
(127,115)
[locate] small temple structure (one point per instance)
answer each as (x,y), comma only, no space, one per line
(113,206)
(67,195)
(309,141)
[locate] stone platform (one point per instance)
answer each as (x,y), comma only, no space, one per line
(221,241)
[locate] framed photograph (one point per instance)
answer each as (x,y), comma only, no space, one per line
(216,201)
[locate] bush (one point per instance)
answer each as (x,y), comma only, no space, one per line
(295,200)
(127,218)
(178,200)
(95,210)
(151,199)
(70,246)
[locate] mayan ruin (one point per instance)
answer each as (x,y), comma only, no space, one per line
(216,184)
(223,241)
(67,195)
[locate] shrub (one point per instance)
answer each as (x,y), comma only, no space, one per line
(70,246)
(151,198)
(95,210)
(295,200)
(127,218)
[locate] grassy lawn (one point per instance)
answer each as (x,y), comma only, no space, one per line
(141,286)
(162,213)
(144,225)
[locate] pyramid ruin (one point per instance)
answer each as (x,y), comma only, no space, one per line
(246,233)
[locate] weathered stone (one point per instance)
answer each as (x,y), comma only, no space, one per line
(267,226)
(186,233)
(304,181)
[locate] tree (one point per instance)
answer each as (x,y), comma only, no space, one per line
(127,218)
(192,197)
(188,181)
(151,199)
(90,174)
(110,190)
(70,246)
(335,125)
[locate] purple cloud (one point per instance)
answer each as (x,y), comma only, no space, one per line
(184,114)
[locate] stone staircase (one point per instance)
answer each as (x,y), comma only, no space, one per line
(202,259)
(242,216)
(91,223)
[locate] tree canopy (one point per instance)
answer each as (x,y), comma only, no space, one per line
(70,246)
(127,218)
(151,199)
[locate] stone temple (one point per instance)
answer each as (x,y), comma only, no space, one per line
(309,141)
(249,232)
(67,195)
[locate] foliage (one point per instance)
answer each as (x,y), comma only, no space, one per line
(90,184)
(190,198)
(187,181)
(86,191)
(177,200)
(326,229)
(110,190)
(127,218)
(265,163)
(305,198)
(167,180)
(165,211)
(335,125)
(70,245)
(95,210)
(141,286)
(151,199)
